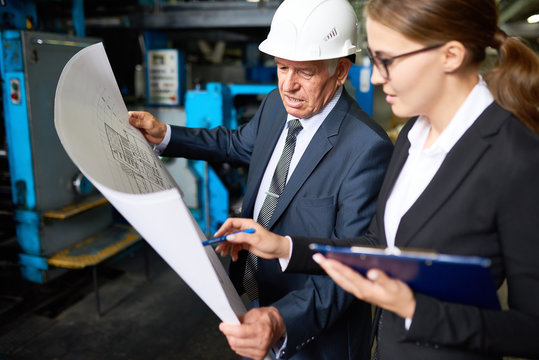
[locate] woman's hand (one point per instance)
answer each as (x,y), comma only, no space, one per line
(262,242)
(377,288)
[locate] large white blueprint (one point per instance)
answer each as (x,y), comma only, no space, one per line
(91,120)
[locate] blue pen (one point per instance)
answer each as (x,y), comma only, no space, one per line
(223,238)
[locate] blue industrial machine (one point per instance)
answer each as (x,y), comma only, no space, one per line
(61,221)
(360,78)
(55,206)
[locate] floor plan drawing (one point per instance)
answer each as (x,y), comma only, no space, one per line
(91,120)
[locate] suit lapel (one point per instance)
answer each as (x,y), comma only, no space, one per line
(454,169)
(400,154)
(320,144)
(314,153)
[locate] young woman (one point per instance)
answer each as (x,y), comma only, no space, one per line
(463,179)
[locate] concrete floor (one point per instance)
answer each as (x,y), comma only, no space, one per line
(157,319)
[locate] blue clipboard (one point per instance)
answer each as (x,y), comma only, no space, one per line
(460,279)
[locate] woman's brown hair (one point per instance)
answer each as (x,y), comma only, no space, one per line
(513,81)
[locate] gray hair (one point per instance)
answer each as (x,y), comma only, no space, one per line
(331,65)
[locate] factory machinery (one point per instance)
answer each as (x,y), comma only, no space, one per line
(58,219)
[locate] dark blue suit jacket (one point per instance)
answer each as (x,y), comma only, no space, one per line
(331,193)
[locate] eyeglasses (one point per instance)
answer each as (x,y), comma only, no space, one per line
(383,63)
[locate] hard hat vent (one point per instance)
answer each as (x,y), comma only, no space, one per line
(332,34)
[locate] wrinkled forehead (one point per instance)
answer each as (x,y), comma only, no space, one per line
(299,65)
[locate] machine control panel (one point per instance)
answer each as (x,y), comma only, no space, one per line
(15,91)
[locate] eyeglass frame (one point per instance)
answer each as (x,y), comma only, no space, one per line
(388,61)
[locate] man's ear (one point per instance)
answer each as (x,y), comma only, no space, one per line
(454,56)
(343,67)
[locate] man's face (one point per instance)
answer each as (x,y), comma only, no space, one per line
(306,86)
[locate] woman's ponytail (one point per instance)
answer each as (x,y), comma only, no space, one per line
(514,81)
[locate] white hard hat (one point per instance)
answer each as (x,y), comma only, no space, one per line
(304,30)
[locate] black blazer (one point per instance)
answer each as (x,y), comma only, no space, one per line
(483,201)
(332,193)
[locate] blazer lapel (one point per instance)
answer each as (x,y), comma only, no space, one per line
(320,144)
(393,171)
(400,154)
(316,150)
(454,169)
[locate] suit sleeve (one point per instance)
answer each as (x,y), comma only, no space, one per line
(358,195)
(513,331)
(219,144)
(301,260)
(327,302)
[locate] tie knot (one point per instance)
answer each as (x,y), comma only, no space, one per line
(294,126)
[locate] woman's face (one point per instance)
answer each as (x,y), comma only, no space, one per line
(415,82)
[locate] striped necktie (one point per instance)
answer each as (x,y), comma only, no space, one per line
(277,184)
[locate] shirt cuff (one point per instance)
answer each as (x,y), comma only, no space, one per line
(159,148)
(279,347)
(284,262)
(407,323)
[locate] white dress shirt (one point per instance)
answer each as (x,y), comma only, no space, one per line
(159,148)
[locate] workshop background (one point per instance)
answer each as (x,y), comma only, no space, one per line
(76,282)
